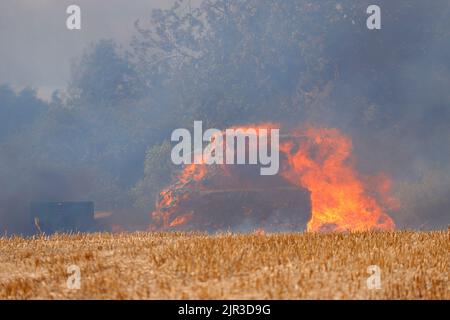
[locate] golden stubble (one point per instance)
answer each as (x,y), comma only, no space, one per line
(414,265)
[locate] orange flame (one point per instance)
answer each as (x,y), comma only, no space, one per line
(340,200)
(259,232)
(180,220)
(319,160)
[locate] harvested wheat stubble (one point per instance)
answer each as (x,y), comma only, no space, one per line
(414,265)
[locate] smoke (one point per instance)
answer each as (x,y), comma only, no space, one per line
(39,47)
(20,188)
(227,63)
(401,79)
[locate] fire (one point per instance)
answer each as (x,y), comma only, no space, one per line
(170,197)
(180,220)
(339,197)
(314,158)
(259,232)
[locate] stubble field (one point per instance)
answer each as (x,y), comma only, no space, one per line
(413,265)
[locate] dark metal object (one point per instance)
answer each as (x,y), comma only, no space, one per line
(51,217)
(273,209)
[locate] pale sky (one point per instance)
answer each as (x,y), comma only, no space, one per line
(36,48)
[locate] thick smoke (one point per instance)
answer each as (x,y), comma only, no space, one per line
(234,62)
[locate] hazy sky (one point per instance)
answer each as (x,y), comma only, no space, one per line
(36,48)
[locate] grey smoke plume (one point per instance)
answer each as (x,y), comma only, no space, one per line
(104,138)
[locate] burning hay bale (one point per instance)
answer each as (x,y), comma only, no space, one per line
(233,198)
(318,179)
(279,209)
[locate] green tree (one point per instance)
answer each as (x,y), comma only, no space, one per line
(157,174)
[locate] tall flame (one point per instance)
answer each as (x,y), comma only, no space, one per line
(340,199)
(317,159)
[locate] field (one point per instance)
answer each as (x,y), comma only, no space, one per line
(413,265)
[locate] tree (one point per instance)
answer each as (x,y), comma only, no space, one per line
(157,174)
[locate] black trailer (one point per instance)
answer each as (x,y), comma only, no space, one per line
(51,217)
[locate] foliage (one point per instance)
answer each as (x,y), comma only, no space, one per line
(157,174)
